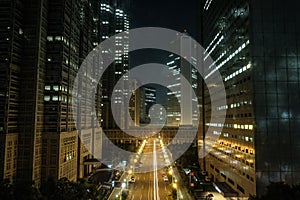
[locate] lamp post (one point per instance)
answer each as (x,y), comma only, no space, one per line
(122,187)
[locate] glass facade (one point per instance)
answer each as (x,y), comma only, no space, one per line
(275,56)
(254,46)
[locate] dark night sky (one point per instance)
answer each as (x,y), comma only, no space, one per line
(177,15)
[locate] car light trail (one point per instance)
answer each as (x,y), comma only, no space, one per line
(155,182)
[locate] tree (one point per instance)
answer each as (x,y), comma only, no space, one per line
(25,190)
(6,190)
(49,188)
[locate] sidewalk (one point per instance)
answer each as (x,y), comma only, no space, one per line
(183,192)
(117,191)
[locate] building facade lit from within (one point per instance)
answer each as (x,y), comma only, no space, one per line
(45,43)
(179,67)
(22,58)
(148,99)
(141,101)
(115,19)
(254,46)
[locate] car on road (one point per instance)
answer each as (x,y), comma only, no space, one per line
(132,179)
(165,178)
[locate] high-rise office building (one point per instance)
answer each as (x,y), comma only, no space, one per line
(134,103)
(42,46)
(115,19)
(141,101)
(60,138)
(69,39)
(23,46)
(10,69)
(179,91)
(254,45)
(147,97)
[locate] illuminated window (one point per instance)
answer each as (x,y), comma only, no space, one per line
(46,98)
(55,98)
(56,88)
(47,87)
(58,38)
(50,38)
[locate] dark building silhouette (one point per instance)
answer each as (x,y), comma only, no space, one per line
(43,44)
(23,45)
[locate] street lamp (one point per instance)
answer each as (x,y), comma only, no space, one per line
(174,185)
(123,185)
(176,189)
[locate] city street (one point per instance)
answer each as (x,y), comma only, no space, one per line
(150,171)
(150,185)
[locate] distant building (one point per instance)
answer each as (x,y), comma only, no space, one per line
(134,103)
(148,98)
(184,115)
(140,103)
(115,19)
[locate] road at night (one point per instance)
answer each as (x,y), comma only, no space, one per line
(150,185)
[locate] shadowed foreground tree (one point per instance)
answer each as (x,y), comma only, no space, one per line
(6,190)
(19,191)
(280,191)
(51,190)
(68,190)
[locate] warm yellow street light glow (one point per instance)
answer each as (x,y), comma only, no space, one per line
(174,185)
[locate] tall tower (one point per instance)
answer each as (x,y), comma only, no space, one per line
(60,138)
(182,93)
(114,20)
(42,46)
(23,46)
(253,46)
(11,27)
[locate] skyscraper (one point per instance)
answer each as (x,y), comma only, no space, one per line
(10,69)
(42,46)
(115,19)
(23,46)
(254,46)
(140,102)
(147,97)
(182,93)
